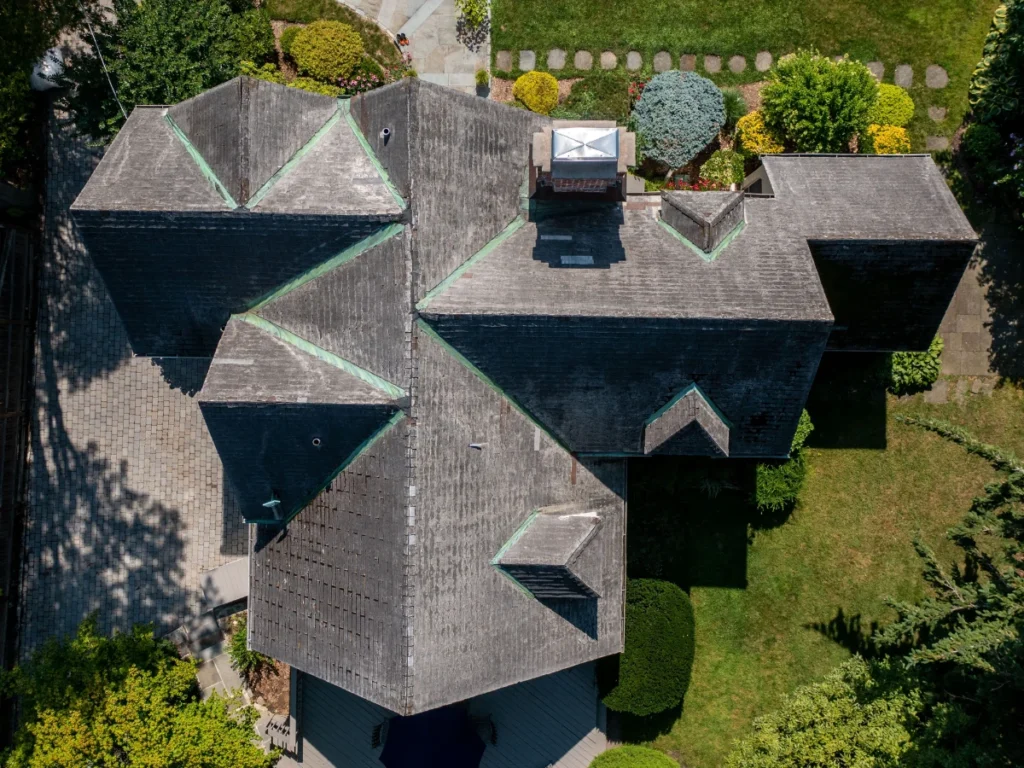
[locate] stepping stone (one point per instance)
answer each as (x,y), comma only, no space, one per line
(609,60)
(837,59)
(556,58)
(935,76)
(688,62)
(712,64)
(904,76)
(634,61)
(936,143)
(662,61)
(877,69)
(737,64)
(583,60)
(503,60)
(938,114)
(527,60)
(763,62)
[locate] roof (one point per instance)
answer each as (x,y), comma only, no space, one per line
(402,336)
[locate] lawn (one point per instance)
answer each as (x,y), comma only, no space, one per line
(778,605)
(916,32)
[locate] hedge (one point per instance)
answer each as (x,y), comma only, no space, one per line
(777,485)
(654,668)
(630,756)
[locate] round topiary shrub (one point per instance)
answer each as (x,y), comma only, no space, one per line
(654,668)
(288,39)
(886,140)
(894,106)
(678,115)
(916,371)
(756,138)
(537,91)
(724,167)
(630,756)
(817,104)
(327,50)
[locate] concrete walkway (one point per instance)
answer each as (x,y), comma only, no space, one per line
(430,25)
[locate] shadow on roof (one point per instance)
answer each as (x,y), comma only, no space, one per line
(577,235)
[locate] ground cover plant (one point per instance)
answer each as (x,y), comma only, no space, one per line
(949,33)
(780,604)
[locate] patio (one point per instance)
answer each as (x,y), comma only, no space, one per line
(554,721)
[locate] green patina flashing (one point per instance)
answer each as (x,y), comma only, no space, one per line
(425,327)
(293,160)
(345,107)
(496,560)
(365,445)
(206,170)
(686,390)
(515,225)
(348,254)
(699,251)
(322,354)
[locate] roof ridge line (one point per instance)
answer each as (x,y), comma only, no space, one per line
(345,256)
(200,161)
(513,226)
(292,161)
(322,354)
(345,107)
(425,327)
(496,560)
(356,453)
(714,254)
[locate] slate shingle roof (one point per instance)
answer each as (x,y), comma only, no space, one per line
(412,359)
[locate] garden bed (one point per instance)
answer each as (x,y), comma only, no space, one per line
(377,41)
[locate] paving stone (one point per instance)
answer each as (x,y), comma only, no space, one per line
(938,114)
(935,76)
(462,80)
(231,679)
(527,60)
(763,61)
(904,76)
(634,61)
(207,674)
(609,60)
(556,58)
(877,69)
(737,64)
(939,393)
(688,62)
(662,61)
(583,60)
(936,143)
(503,60)
(712,63)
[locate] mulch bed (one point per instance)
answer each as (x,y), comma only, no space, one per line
(501,90)
(271,687)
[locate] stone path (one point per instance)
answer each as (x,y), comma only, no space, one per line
(126,499)
(430,25)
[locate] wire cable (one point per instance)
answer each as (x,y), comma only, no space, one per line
(103,64)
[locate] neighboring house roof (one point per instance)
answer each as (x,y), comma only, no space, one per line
(426,383)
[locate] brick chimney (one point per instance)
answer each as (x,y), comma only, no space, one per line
(582,159)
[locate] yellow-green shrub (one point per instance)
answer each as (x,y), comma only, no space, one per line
(538,91)
(886,140)
(894,106)
(756,138)
(327,50)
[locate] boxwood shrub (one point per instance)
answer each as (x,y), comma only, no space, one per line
(677,115)
(654,668)
(916,371)
(778,484)
(630,756)
(724,166)
(288,38)
(327,50)
(537,91)
(894,106)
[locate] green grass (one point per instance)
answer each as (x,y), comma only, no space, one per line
(845,548)
(916,32)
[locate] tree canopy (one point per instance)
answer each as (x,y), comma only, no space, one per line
(127,699)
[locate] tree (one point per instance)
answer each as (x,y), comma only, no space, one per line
(157,52)
(127,699)
(818,104)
